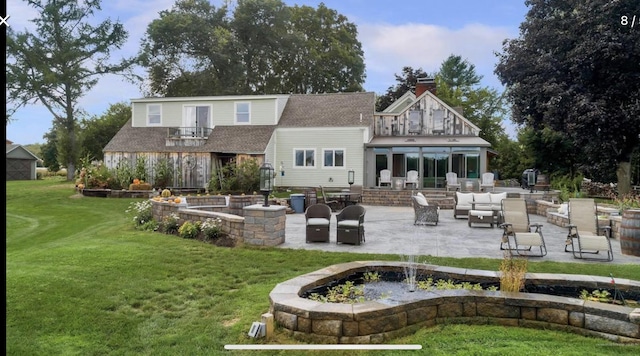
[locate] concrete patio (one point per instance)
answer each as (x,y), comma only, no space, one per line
(390,230)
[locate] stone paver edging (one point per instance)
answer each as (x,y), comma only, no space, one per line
(374,322)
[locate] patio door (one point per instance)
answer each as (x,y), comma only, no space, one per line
(196,118)
(434,169)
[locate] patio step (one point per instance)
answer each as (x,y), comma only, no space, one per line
(390,197)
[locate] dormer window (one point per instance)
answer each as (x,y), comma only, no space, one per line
(243,113)
(154,114)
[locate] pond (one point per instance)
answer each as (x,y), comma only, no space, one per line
(387,315)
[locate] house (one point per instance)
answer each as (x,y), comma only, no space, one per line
(309,139)
(21,163)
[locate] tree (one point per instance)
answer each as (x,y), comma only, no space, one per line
(406,81)
(60,62)
(49,151)
(574,69)
(457,85)
(265,47)
(98,131)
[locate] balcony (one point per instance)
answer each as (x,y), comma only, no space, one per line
(187,136)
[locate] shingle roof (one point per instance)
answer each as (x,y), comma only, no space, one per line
(226,139)
(302,110)
(329,110)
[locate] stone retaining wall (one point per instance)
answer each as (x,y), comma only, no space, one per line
(254,225)
(375,322)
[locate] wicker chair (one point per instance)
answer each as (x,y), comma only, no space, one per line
(318,221)
(350,225)
(423,212)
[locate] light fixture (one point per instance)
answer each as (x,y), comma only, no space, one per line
(351,177)
(266,181)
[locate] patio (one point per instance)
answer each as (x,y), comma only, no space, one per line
(390,230)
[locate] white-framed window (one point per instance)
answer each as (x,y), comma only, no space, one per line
(154,114)
(333,158)
(304,157)
(243,113)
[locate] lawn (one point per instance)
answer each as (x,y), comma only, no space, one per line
(80,280)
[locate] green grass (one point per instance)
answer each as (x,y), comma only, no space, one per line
(80,280)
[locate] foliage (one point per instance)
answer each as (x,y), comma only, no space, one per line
(262,47)
(123,173)
(49,151)
(243,177)
(347,292)
(512,276)
(189,230)
(573,70)
(140,170)
(141,214)
(170,224)
(163,174)
(371,276)
(51,65)
(405,82)
(449,284)
(97,131)
(211,228)
(596,295)
(627,201)
(100,177)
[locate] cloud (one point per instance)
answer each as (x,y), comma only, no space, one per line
(388,48)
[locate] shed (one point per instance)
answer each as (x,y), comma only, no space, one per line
(21,164)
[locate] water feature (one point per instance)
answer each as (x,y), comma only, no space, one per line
(387,317)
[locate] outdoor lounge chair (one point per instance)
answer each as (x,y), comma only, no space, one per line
(385,177)
(519,234)
(452,181)
(412,178)
(487,181)
(350,225)
(318,221)
(423,212)
(332,203)
(583,233)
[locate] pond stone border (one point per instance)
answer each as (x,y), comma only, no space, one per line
(374,322)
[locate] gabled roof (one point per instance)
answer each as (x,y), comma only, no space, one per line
(329,110)
(225,139)
(401,103)
(19,152)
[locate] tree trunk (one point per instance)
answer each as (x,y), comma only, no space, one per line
(71,171)
(624,177)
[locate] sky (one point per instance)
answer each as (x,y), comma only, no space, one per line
(414,33)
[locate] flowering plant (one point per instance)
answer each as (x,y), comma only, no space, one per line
(189,230)
(140,212)
(170,223)
(212,228)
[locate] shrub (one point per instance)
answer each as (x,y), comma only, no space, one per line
(211,228)
(141,213)
(170,224)
(512,276)
(189,230)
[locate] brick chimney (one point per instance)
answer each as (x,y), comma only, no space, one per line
(424,84)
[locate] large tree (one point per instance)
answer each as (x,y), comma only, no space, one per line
(263,47)
(59,62)
(575,68)
(405,81)
(98,131)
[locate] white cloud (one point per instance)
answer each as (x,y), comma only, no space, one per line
(388,48)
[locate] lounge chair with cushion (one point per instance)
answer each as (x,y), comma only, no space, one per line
(584,236)
(519,234)
(423,212)
(318,221)
(350,225)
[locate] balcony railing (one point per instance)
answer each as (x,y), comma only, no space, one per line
(188,132)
